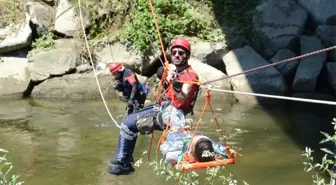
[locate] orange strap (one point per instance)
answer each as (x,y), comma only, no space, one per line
(166,67)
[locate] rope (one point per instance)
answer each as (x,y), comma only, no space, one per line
(208,95)
(166,66)
(275,96)
(276,63)
(197,125)
(94,70)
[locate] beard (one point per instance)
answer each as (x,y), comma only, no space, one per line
(178,62)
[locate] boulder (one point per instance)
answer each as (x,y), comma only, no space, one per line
(286,69)
(15,37)
(41,17)
(210,53)
(207,72)
(331,68)
(76,87)
(56,62)
(327,33)
(266,81)
(13,77)
(322,11)
(67,21)
(278,25)
(118,52)
(309,69)
(140,63)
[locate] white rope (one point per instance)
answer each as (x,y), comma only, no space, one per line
(274,96)
(94,70)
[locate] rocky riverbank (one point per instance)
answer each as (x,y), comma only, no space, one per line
(286,29)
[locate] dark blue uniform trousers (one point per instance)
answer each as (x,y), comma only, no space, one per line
(129,134)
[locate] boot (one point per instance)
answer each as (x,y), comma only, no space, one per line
(115,161)
(123,157)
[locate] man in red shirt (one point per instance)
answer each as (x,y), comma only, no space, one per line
(182,96)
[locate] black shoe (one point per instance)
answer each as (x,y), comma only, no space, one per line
(120,169)
(114,161)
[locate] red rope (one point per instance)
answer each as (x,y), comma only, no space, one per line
(276,63)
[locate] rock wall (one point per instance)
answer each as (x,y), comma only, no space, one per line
(62,72)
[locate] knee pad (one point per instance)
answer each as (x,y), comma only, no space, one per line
(145,125)
(158,123)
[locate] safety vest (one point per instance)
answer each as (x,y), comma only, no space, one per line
(127,80)
(190,75)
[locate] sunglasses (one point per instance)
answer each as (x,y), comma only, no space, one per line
(179,52)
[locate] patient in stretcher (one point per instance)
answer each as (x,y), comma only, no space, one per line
(201,148)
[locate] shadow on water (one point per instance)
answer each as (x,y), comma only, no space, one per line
(306,120)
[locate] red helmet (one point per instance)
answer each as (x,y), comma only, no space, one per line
(115,66)
(181,42)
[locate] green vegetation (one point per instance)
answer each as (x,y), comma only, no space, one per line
(328,161)
(175,18)
(44,43)
(132,21)
(189,18)
(5,171)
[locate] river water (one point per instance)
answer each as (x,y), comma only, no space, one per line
(69,143)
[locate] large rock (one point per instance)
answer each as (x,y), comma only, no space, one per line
(131,59)
(287,69)
(278,24)
(13,77)
(310,67)
(61,60)
(15,37)
(267,81)
(67,20)
(210,53)
(322,11)
(118,52)
(75,87)
(331,68)
(207,72)
(328,35)
(42,16)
